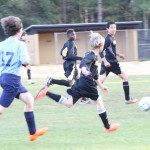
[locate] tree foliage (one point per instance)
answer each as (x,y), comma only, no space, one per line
(75,11)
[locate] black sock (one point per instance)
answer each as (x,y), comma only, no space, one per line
(126,90)
(53,96)
(29,116)
(29,74)
(61,82)
(104,119)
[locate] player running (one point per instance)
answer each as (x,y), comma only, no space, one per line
(69,55)
(86,85)
(13,54)
(110,62)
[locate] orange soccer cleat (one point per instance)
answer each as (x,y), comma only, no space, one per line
(131,101)
(39,132)
(113,127)
(41,93)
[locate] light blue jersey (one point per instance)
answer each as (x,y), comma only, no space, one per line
(13,53)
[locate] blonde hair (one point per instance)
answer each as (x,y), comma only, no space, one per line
(95,40)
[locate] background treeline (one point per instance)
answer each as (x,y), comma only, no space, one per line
(76,11)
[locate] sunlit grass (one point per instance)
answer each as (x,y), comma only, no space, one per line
(79,127)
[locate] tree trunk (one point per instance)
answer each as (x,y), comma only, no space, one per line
(145,19)
(64,11)
(99,10)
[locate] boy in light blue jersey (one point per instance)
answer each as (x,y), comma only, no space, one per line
(13,54)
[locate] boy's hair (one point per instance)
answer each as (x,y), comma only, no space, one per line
(109,23)
(95,40)
(23,36)
(24,33)
(11,25)
(70,31)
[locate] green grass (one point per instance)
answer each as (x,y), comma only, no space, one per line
(79,127)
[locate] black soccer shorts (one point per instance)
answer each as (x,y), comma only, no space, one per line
(114,68)
(84,87)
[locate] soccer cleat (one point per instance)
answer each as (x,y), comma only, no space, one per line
(49,81)
(39,132)
(84,100)
(31,81)
(113,127)
(41,93)
(131,101)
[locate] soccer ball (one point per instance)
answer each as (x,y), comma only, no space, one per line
(144,103)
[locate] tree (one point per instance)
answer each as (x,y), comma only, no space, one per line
(141,11)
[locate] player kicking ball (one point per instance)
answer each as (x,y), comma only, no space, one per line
(87,84)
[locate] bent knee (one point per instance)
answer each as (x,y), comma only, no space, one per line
(2,109)
(69,103)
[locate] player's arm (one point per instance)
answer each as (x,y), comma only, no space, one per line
(106,45)
(73,58)
(84,64)
(101,85)
(120,55)
(70,54)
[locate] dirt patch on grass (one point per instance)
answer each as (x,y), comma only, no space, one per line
(42,71)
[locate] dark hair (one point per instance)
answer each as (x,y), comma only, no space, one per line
(109,23)
(11,25)
(70,31)
(24,33)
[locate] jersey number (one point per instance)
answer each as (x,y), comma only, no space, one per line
(10,56)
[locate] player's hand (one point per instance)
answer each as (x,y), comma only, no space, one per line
(104,89)
(121,56)
(87,73)
(107,64)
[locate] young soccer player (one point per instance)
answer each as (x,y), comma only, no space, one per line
(85,86)
(13,54)
(69,54)
(110,62)
(28,67)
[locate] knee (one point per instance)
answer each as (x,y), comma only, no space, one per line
(69,103)
(101,110)
(125,78)
(2,109)
(30,104)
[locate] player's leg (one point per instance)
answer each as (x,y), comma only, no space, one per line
(90,90)
(30,81)
(102,77)
(115,68)
(67,101)
(63,82)
(7,96)
(126,88)
(42,92)
(83,100)
(69,72)
(2,109)
(103,73)
(103,115)
(28,99)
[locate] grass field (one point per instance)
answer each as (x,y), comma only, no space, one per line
(79,127)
